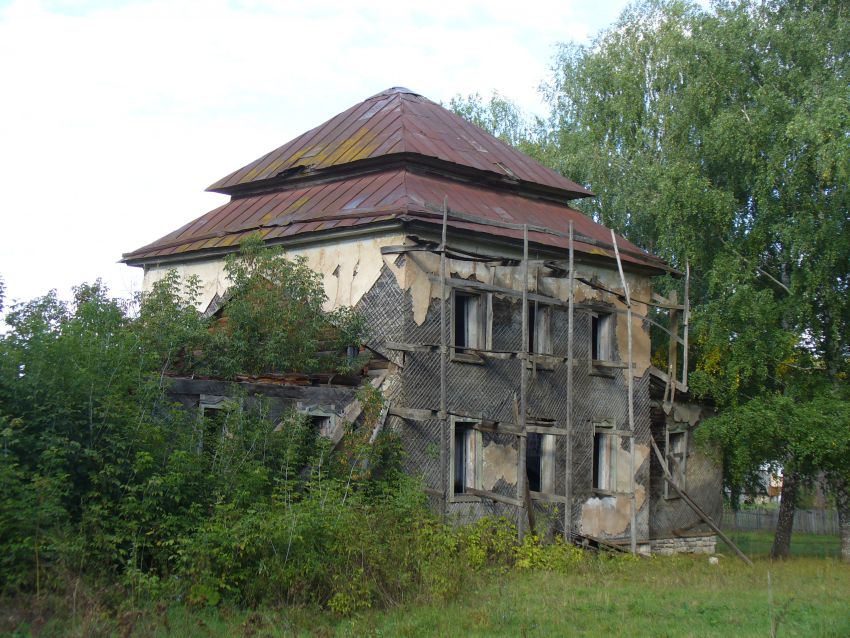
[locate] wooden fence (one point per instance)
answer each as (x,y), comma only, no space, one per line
(805,521)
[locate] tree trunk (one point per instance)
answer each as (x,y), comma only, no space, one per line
(841,489)
(785,524)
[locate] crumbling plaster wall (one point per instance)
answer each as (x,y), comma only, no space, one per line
(399,295)
(490,388)
(349,268)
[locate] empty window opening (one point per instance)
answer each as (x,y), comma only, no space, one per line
(469,325)
(322,420)
(539,328)
(465,460)
(677,458)
(214,419)
(540,461)
(214,412)
(605,444)
(600,337)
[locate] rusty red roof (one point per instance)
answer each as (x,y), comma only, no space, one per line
(400,195)
(393,158)
(398,124)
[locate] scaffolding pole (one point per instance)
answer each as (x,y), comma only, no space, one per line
(445,462)
(523,391)
(568,453)
(631,381)
(686,319)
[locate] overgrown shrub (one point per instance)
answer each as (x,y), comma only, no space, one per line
(327,546)
(103,480)
(273,319)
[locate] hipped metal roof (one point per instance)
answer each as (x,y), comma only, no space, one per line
(392,158)
(397,123)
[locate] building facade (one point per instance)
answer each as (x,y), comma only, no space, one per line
(516,329)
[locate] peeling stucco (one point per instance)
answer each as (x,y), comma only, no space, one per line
(689,413)
(498,462)
(610,515)
(349,269)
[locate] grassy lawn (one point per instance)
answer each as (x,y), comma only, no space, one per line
(662,596)
(759,544)
(658,597)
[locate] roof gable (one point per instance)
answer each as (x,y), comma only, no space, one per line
(397,124)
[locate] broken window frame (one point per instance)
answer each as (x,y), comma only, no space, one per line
(479,318)
(470,454)
(539,338)
(605,484)
(676,459)
(601,346)
(545,460)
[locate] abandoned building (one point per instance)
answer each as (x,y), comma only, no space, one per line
(515,330)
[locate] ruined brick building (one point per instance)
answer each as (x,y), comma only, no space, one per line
(504,315)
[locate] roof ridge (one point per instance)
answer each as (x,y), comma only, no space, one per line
(393,123)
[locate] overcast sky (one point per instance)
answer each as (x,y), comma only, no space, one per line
(115,116)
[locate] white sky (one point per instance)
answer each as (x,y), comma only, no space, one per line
(115,116)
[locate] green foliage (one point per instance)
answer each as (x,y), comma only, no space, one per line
(326,546)
(725,126)
(718,138)
(273,318)
(504,119)
(557,556)
(776,430)
(169,327)
(103,480)
(102,477)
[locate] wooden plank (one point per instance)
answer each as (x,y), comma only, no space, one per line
(469,284)
(603,543)
(663,302)
(568,453)
(584,239)
(410,347)
(696,508)
(549,360)
(522,483)
(664,378)
(672,352)
(547,497)
(445,461)
(536,429)
(379,425)
(480,423)
(493,496)
(451,253)
(598,363)
(413,414)
(618,311)
(631,382)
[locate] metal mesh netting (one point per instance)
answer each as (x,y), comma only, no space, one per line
(490,389)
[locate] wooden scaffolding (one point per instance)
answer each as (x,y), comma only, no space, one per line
(521,427)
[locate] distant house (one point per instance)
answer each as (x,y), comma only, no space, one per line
(511,398)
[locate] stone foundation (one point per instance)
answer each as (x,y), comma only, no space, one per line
(684,545)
